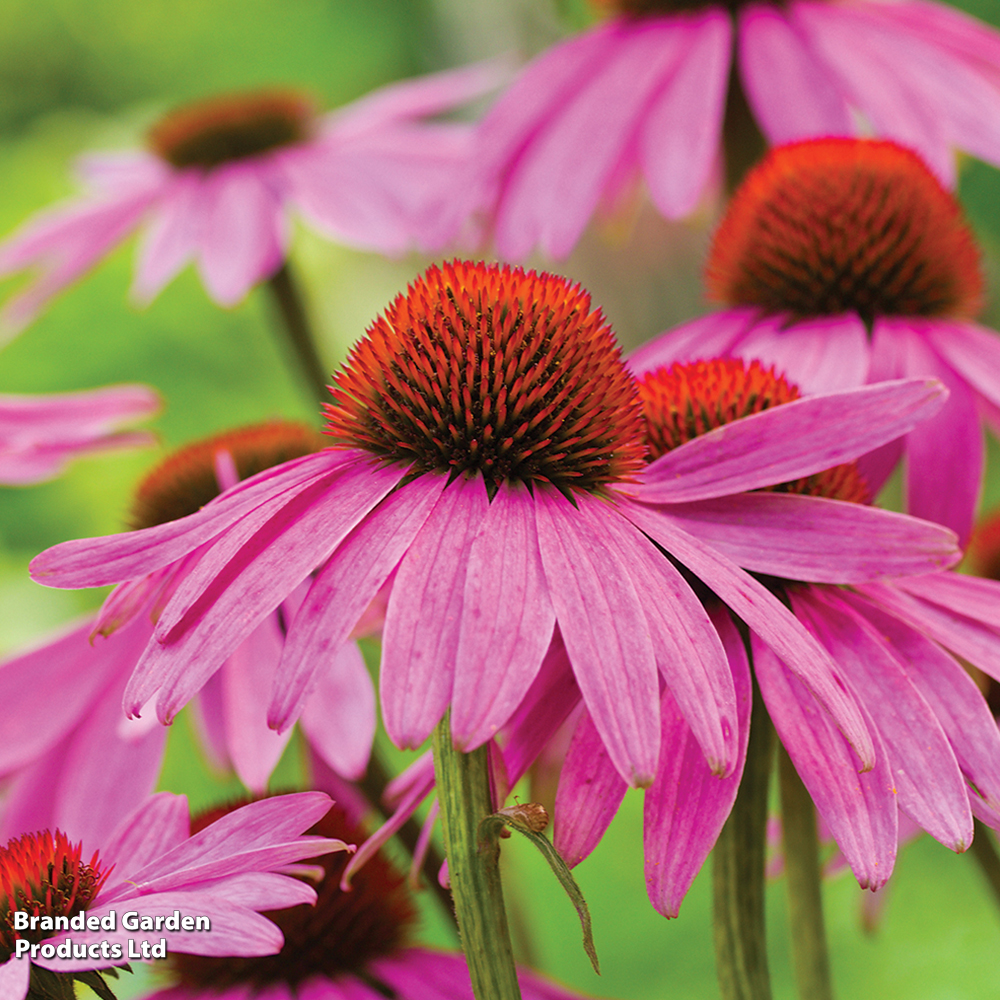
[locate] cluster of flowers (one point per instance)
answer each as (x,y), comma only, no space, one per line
(558,547)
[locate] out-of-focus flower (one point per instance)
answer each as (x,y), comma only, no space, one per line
(68,762)
(39,435)
(489,464)
(937,747)
(357,944)
(844,261)
(153,866)
(222,177)
(649,93)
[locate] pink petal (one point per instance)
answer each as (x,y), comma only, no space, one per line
(154,828)
(952,694)
(708,336)
(863,58)
(826,354)
(790,441)
(816,539)
(245,576)
(859,809)
(970,350)
(547,705)
(563,165)
(604,628)
(770,619)
(679,138)
(96,562)
(929,785)
(339,718)
(15,974)
(966,595)
(687,806)
(792,94)
(589,794)
(345,587)
(507,620)
(245,232)
(422,622)
(172,236)
(949,448)
(116,173)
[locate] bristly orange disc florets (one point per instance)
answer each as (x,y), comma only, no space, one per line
(830,226)
(186,480)
(488,368)
(688,400)
(221,129)
(42,874)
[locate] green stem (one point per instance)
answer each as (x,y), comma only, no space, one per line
(738,874)
(288,299)
(984,850)
(463,786)
(802,871)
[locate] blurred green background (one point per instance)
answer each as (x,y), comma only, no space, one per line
(77,75)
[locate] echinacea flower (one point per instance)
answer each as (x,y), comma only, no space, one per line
(843,261)
(488,464)
(39,435)
(69,763)
(153,867)
(222,177)
(357,944)
(650,93)
(937,747)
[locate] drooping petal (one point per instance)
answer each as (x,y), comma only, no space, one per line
(345,587)
(589,794)
(420,640)
(14,977)
(790,441)
(339,718)
(769,618)
(972,596)
(687,806)
(970,350)
(859,808)
(951,693)
(245,233)
(679,136)
(709,336)
(791,92)
(604,629)
(507,620)
(154,828)
(816,539)
(825,354)
(929,785)
(96,562)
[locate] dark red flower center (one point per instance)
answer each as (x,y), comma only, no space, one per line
(234,127)
(340,935)
(687,400)
(43,875)
(487,368)
(845,225)
(186,480)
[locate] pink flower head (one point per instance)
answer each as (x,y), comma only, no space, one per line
(39,435)
(489,466)
(358,944)
(68,762)
(648,93)
(221,178)
(153,866)
(843,261)
(893,642)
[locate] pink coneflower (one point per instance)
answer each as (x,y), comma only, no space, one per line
(844,261)
(222,177)
(39,435)
(488,462)
(83,753)
(153,866)
(937,746)
(648,92)
(358,944)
